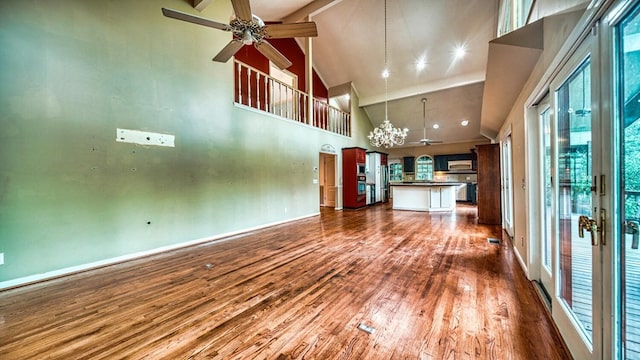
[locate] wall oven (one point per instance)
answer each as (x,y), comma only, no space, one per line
(362,185)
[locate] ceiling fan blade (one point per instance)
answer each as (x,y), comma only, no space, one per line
(194,19)
(228,51)
(301,29)
(273,54)
(242,8)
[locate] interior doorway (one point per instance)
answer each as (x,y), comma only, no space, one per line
(327,180)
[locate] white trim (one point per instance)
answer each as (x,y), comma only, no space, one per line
(521,261)
(106,262)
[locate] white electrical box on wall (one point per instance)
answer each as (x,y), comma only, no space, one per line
(144,138)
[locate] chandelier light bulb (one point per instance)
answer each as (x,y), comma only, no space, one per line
(386,135)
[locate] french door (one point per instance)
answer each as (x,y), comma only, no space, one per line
(545,200)
(576,304)
(626,183)
(590,182)
(507,185)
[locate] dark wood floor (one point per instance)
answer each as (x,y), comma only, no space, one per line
(430,286)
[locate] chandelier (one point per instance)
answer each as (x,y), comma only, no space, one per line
(385,134)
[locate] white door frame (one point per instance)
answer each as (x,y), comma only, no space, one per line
(506,158)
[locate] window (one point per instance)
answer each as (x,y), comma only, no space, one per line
(513,15)
(424,168)
(395,171)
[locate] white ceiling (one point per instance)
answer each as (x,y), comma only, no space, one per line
(350,48)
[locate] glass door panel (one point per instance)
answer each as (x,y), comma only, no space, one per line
(507,194)
(628,99)
(546,273)
(574,164)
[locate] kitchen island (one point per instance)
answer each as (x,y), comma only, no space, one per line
(424,196)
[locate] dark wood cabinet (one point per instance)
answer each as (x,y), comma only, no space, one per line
(408,164)
(471,193)
(489,208)
(440,163)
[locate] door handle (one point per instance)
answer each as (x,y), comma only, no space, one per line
(631,227)
(603,227)
(584,223)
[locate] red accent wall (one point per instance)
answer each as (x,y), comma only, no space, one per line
(252,57)
(289,48)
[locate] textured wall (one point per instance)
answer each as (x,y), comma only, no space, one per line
(73,71)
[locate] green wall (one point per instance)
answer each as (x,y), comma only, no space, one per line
(73,71)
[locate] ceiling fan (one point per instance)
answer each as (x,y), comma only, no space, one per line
(249,29)
(424,140)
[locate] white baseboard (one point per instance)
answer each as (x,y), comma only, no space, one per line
(98,264)
(522,262)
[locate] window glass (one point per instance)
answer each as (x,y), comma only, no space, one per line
(424,168)
(513,15)
(395,171)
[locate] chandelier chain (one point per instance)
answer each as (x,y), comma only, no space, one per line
(386,64)
(386,134)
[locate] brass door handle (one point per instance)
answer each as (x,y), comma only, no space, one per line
(631,227)
(590,225)
(603,226)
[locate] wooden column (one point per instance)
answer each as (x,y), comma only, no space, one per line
(308,49)
(489,207)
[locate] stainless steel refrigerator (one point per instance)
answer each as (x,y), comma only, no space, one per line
(384,174)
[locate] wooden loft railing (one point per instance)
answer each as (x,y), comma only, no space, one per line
(260,91)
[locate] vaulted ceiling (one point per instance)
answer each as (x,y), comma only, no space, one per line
(350,47)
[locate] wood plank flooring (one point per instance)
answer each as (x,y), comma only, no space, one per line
(430,286)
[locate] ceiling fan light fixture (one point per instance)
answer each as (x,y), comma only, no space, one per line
(247,39)
(248,29)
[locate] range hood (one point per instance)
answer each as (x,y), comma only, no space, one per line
(459,165)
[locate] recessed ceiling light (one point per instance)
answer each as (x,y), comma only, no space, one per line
(459,52)
(385,73)
(436,126)
(421,64)
(464,122)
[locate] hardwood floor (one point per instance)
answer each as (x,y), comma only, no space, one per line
(430,286)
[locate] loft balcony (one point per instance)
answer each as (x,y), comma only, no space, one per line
(260,91)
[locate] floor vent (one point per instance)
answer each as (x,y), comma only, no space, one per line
(493,241)
(365,328)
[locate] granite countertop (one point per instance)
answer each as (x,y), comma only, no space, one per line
(437,183)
